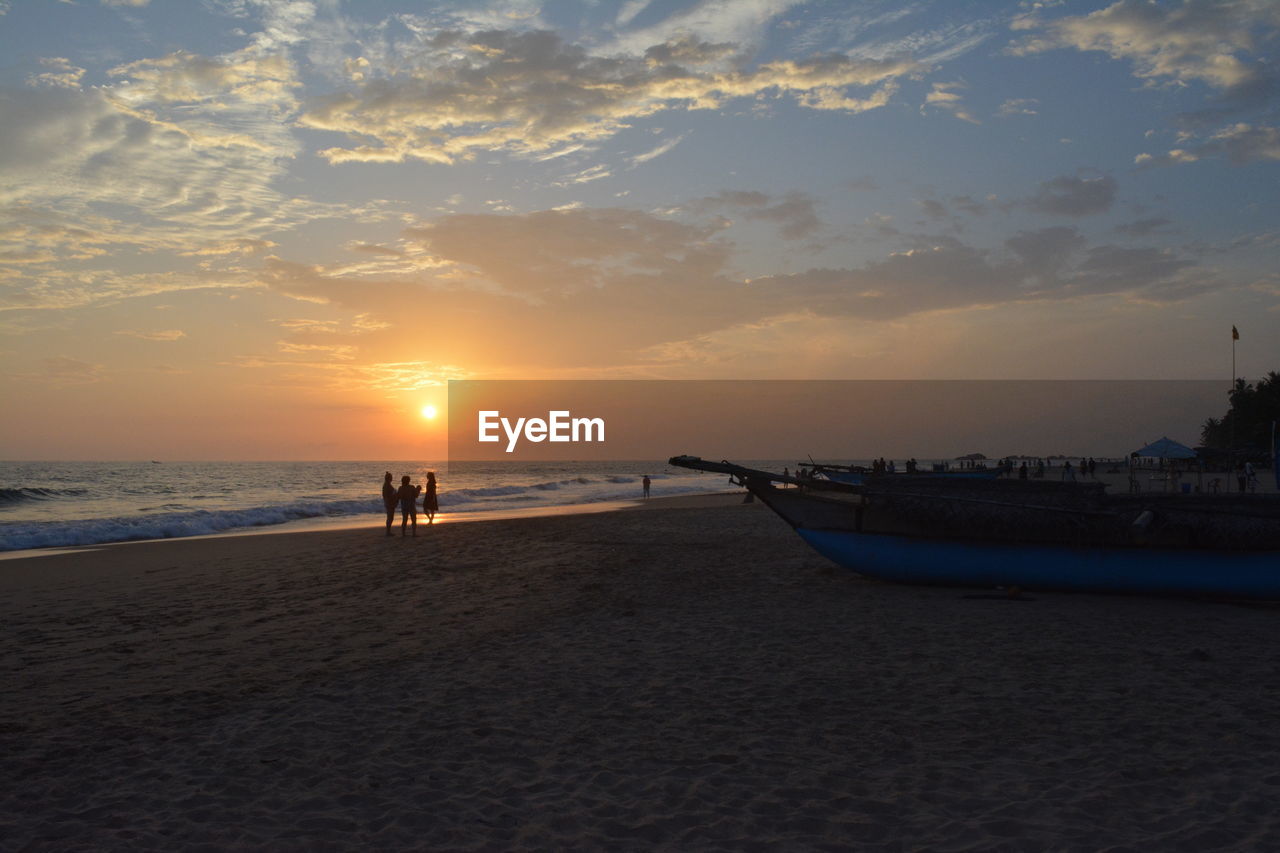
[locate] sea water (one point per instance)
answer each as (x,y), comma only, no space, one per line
(58,504)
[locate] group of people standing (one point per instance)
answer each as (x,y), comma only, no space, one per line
(406,498)
(1086,469)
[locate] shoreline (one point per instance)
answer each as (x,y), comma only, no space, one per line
(321,525)
(1149,481)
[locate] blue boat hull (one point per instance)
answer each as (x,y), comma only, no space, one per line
(902,559)
(1039,535)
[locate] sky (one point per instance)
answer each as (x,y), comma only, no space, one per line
(275,229)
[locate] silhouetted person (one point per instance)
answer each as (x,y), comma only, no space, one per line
(1022,470)
(389,500)
(645,484)
(408,496)
(1068,473)
(430,502)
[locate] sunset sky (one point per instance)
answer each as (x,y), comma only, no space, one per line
(272,229)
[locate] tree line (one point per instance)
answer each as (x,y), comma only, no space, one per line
(1252,410)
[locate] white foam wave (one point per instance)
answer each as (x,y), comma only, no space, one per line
(171,524)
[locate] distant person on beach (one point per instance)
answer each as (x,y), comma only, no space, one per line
(431,501)
(408,497)
(1242,479)
(1250,477)
(389,500)
(1022,470)
(1068,473)
(645,484)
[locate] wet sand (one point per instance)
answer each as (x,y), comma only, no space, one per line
(685,677)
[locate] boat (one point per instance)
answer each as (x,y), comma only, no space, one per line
(1028,534)
(857,475)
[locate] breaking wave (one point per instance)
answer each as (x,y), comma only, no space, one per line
(16,496)
(176,521)
(167,525)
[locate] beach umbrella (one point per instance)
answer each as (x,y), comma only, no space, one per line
(1167,448)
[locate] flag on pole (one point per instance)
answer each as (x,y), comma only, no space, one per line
(1235,334)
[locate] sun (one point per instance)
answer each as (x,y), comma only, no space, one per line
(429,412)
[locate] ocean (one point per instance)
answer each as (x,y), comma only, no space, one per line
(60,504)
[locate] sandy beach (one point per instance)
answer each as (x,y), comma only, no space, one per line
(685,676)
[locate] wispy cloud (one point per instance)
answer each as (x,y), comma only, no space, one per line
(158,143)
(165,335)
(628,11)
(62,73)
(63,370)
(591,173)
(1181,41)
(655,153)
(739,22)
(1240,143)
(946,96)
(832,98)
(1219,45)
(531,94)
(1019,107)
(243,246)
